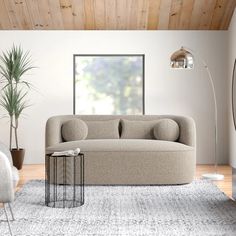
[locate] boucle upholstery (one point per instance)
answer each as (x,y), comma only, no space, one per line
(6,182)
(5,150)
(142,129)
(103,129)
(166,129)
(74,129)
(131,161)
(15,175)
(124,145)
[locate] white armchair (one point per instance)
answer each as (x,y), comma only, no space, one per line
(8,180)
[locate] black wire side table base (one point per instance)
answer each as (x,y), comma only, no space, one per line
(64,181)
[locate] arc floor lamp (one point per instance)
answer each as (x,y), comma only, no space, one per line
(184,59)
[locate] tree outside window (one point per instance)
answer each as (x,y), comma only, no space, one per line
(109,84)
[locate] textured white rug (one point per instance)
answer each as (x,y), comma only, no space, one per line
(195,209)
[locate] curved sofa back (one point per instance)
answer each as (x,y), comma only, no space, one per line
(54,124)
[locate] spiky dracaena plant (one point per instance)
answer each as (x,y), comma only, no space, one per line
(13,65)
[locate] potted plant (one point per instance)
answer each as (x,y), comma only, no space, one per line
(13,65)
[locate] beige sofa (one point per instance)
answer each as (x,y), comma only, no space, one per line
(126,159)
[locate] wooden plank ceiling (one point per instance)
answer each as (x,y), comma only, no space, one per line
(116,14)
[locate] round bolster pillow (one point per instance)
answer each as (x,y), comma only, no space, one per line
(73,130)
(166,129)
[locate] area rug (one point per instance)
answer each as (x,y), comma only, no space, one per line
(199,208)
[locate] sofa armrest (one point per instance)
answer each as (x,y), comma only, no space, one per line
(187,130)
(53,131)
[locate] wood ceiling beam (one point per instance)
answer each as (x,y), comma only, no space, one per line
(89,13)
(185,15)
(4,19)
(116,14)
(153,14)
(164,16)
(228,13)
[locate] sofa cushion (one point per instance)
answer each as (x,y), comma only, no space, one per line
(137,129)
(121,145)
(166,129)
(108,129)
(74,129)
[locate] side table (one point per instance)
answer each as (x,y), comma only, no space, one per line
(64,181)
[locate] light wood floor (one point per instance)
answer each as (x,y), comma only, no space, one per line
(29,172)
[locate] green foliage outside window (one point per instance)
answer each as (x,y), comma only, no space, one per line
(109,85)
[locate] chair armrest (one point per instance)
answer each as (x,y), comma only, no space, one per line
(5,150)
(6,181)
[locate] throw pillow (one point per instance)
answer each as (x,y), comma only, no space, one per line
(73,130)
(136,129)
(107,129)
(166,129)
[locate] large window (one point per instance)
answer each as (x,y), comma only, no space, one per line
(109,84)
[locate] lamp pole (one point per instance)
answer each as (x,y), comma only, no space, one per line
(183,54)
(215,104)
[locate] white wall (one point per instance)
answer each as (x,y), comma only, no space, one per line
(232,56)
(167,91)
